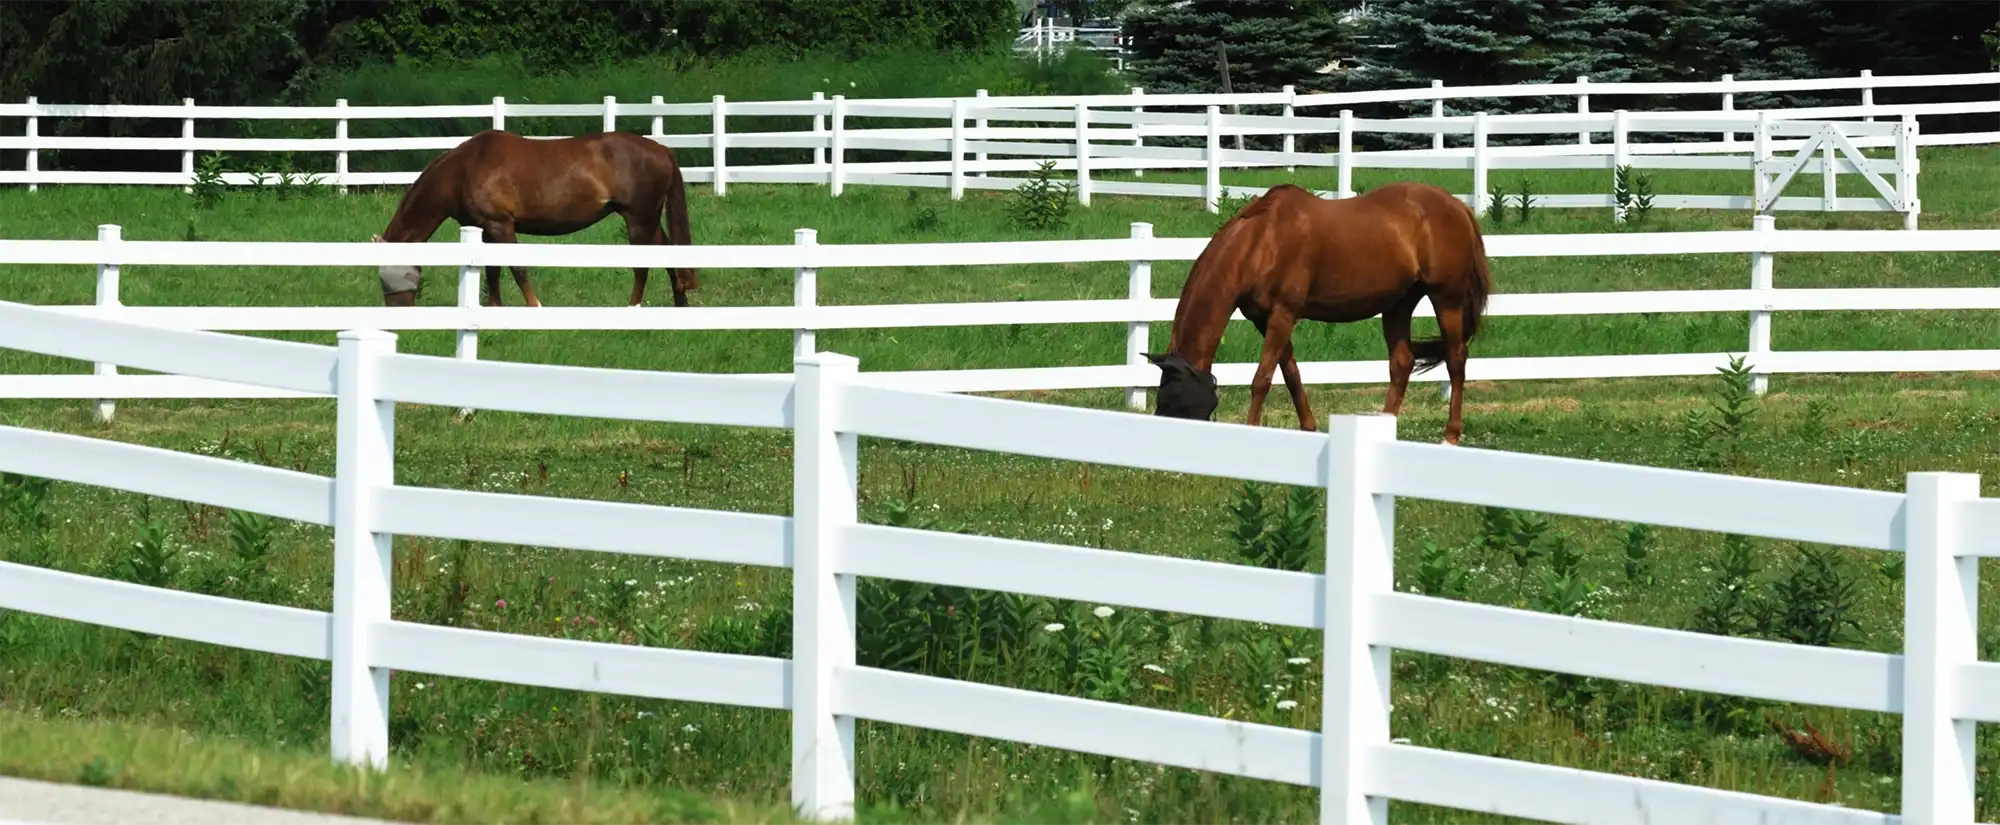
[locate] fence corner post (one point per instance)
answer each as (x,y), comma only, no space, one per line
(659,124)
(1583,108)
(1437,111)
(1761,265)
(1360,558)
(364,460)
(1621,157)
(1728,105)
(1139,333)
(1138,131)
(1940,637)
(499,112)
(805,296)
(824,501)
(107,307)
(1346,162)
(468,300)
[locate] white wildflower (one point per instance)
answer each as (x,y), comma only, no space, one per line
(1103,611)
(1287,704)
(1053,626)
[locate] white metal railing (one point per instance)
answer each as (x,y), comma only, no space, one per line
(1114,137)
(1940,524)
(1138,310)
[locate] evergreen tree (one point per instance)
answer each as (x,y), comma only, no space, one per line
(1270,43)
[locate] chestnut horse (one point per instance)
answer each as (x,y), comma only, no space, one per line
(504,183)
(1289,255)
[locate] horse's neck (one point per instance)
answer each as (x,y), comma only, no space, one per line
(1199,322)
(417,217)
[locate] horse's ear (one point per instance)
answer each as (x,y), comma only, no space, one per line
(1157,358)
(378,238)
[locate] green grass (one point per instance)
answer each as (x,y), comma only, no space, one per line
(1864,431)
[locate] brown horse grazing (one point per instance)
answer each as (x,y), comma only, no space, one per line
(1288,255)
(504,183)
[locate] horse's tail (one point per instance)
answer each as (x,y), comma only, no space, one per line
(677,224)
(1431,351)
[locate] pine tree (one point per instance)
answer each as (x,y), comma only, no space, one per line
(1270,44)
(1416,41)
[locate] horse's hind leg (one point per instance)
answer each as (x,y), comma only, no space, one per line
(1402,358)
(1451,328)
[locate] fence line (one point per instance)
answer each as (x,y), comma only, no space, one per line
(1109,148)
(1940,522)
(1138,310)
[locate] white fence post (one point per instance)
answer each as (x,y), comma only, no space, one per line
(1760,143)
(1360,559)
(980,126)
(187,134)
(107,303)
(958,148)
(805,295)
(340,156)
(364,459)
(836,173)
(1907,167)
(1479,204)
(819,128)
(1437,110)
(468,298)
(1583,108)
(1728,105)
(610,113)
(1139,334)
(500,113)
(1940,637)
(34,155)
(1621,155)
(1137,140)
(1082,155)
(659,125)
(1211,156)
(824,462)
(1761,263)
(1291,142)
(1346,153)
(718,140)
(1868,95)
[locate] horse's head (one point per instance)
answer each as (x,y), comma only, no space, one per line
(1185,392)
(399,283)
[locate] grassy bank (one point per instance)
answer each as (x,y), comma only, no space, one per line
(1864,431)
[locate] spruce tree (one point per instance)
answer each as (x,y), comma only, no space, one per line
(1270,44)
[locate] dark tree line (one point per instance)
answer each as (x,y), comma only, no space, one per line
(1406,43)
(260,51)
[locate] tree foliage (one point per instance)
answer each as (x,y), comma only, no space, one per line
(1270,43)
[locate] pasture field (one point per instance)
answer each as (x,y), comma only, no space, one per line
(622,754)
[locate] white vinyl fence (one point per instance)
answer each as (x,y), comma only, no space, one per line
(1101,133)
(1138,310)
(1940,523)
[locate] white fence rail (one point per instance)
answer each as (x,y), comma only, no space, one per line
(1139,309)
(1940,523)
(1112,135)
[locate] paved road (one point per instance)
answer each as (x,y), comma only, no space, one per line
(28,802)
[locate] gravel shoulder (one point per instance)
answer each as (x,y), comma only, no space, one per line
(32,802)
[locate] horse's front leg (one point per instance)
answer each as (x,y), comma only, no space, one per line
(1277,342)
